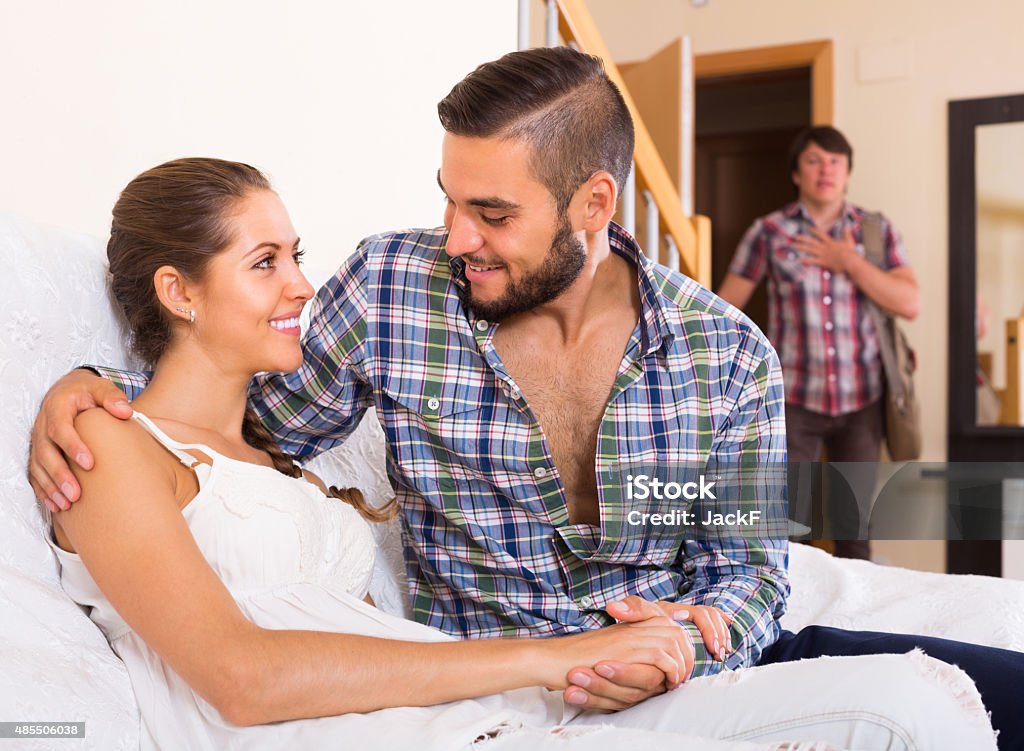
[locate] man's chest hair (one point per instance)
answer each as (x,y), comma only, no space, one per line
(567,391)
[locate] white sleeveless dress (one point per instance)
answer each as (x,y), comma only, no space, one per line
(293,559)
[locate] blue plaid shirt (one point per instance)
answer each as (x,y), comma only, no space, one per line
(490,550)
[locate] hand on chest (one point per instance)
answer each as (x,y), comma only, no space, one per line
(804,254)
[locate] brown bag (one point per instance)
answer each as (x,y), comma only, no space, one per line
(902,410)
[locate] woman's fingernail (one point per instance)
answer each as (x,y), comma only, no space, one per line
(717,648)
(49,504)
(81,459)
(681,615)
(67,490)
(605,671)
(576,697)
(581,679)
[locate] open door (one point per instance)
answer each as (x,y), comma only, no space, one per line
(662,87)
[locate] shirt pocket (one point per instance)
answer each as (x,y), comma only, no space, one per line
(437,397)
(440,425)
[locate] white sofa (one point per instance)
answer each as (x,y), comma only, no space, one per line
(56,666)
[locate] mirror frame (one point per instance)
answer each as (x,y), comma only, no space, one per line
(964,117)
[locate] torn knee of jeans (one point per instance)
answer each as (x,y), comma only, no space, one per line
(954,679)
(725,678)
(505,728)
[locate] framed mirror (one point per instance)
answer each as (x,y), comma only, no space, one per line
(999,260)
(986,299)
(986,277)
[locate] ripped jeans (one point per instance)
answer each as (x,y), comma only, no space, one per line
(907,702)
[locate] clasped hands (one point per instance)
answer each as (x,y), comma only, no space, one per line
(611,685)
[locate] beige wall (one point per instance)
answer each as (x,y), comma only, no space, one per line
(897,64)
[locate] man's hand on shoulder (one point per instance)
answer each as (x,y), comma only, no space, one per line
(54,436)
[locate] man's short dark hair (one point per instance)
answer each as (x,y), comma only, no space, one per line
(559,101)
(824,136)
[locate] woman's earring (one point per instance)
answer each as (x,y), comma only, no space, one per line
(191,314)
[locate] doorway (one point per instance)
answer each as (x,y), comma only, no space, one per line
(745,124)
(749,105)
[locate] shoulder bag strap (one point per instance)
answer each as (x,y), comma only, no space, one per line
(874,251)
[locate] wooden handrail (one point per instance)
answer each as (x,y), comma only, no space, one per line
(692,237)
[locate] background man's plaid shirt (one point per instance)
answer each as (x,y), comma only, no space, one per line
(490,550)
(817,319)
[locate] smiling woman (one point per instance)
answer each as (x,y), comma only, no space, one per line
(210,286)
(254,281)
(190,229)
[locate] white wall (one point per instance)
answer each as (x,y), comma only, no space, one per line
(336,101)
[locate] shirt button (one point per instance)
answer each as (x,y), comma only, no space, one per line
(506,391)
(831,351)
(540,473)
(433,404)
(828,326)
(514,393)
(827,275)
(482,325)
(586,601)
(827,300)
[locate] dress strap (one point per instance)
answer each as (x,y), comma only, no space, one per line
(175,447)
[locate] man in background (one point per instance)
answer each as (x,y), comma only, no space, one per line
(820,283)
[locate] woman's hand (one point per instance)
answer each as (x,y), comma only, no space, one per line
(657,644)
(610,684)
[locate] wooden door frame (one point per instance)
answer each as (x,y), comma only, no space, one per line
(816,55)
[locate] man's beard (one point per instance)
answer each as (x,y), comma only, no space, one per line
(561,267)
